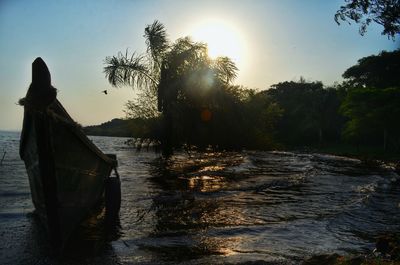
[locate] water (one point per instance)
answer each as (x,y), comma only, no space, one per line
(217,208)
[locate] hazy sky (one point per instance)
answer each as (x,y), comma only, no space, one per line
(271,41)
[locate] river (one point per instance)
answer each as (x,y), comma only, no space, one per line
(216,208)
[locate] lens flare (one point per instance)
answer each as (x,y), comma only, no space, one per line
(222,39)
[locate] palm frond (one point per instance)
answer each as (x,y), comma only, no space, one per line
(226,69)
(131,70)
(157,42)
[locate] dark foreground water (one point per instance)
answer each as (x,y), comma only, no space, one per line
(216,208)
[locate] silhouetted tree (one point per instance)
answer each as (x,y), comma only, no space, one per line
(261,115)
(310,112)
(379,71)
(382,12)
(172,74)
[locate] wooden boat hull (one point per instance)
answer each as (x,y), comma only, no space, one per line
(67,172)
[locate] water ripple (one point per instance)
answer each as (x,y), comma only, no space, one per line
(229,207)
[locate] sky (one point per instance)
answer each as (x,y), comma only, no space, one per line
(271,41)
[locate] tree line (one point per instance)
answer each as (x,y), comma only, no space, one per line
(186,99)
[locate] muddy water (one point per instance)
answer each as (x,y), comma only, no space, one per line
(216,208)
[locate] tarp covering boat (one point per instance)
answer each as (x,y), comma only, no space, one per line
(67,172)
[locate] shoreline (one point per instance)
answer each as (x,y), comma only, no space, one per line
(369,155)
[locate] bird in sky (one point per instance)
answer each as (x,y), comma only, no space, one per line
(104,91)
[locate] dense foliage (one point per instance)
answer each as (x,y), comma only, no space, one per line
(372,101)
(382,12)
(379,71)
(310,112)
(192,94)
(186,99)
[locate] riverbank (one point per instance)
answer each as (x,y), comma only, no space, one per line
(370,155)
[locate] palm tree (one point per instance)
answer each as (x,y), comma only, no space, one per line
(168,73)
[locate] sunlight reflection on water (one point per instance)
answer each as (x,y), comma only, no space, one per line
(216,208)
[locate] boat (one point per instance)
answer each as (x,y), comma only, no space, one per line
(69,177)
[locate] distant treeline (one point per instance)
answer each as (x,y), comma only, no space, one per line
(115,127)
(121,128)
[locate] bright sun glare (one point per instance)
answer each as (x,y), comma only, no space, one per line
(222,40)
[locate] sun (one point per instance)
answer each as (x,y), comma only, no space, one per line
(222,39)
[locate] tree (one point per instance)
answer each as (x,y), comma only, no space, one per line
(382,12)
(373,114)
(261,115)
(176,74)
(372,101)
(379,71)
(310,112)
(140,70)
